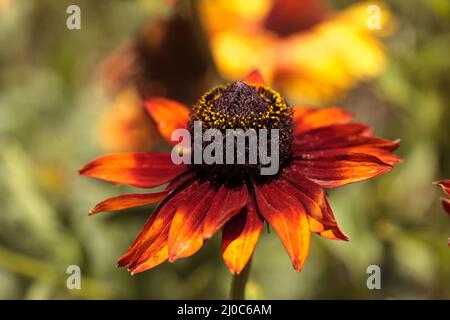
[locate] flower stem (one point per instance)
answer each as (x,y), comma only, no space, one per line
(239,282)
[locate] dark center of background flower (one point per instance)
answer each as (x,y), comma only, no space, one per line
(288,17)
(242,106)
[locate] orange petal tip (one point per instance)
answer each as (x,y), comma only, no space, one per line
(254,78)
(298,265)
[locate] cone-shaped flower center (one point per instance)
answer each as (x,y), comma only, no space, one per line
(260,116)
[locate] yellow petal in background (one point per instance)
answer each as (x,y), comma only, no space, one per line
(317,65)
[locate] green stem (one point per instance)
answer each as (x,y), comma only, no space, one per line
(239,282)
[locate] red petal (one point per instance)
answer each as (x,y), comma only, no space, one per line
(126,201)
(327,136)
(328,232)
(153,238)
(168,114)
(339,140)
(446,205)
(227,202)
(239,238)
(157,252)
(313,198)
(307,118)
(183,178)
(310,195)
(140,169)
(186,230)
(445,186)
(339,171)
(289,219)
(254,78)
(329,154)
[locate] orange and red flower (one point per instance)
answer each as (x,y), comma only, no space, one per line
(322,148)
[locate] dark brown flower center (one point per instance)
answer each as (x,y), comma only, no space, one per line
(288,17)
(247,109)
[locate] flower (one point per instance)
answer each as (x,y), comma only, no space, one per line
(319,149)
(312,53)
(445,186)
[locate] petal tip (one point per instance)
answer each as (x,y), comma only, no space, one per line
(235,271)
(207,235)
(133,273)
(82,170)
(254,77)
(298,265)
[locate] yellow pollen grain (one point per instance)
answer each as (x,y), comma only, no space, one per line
(207,112)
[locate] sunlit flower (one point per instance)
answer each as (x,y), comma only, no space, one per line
(318,149)
(445,186)
(310,52)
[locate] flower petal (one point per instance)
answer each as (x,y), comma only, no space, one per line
(240,236)
(226,203)
(307,118)
(335,141)
(157,252)
(340,171)
(446,205)
(326,136)
(126,201)
(310,195)
(186,229)
(289,219)
(139,169)
(320,216)
(254,78)
(183,178)
(445,186)
(328,232)
(168,114)
(382,154)
(152,240)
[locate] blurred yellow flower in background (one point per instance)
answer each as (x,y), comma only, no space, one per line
(311,53)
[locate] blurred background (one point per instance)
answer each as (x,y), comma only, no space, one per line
(68,96)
